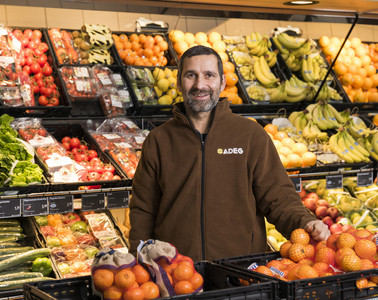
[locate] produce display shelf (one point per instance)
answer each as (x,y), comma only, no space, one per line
(220,282)
(341,286)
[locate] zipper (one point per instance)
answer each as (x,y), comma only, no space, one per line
(202,195)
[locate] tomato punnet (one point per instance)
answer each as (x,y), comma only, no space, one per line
(75,143)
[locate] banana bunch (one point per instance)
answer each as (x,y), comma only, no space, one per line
(294,93)
(277,94)
(312,133)
(271,58)
(289,42)
(263,73)
(326,93)
(358,129)
(348,149)
(299,120)
(310,69)
(247,72)
(242,58)
(294,63)
(371,144)
(256,92)
(325,116)
(257,44)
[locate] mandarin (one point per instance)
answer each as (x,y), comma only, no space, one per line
(183,287)
(103,279)
(133,294)
(150,290)
(141,274)
(124,279)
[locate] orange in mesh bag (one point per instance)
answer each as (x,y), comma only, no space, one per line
(174,273)
(117,275)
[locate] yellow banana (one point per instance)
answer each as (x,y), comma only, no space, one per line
(345,149)
(354,145)
(265,81)
(265,69)
(293,116)
(289,42)
(369,147)
(374,142)
(279,46)
(336,114)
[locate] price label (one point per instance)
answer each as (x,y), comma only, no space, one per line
(35,206)
(10,208)
(297,181)
(118,199)
(60,204)
(364,178)
(334,182)
(92,201)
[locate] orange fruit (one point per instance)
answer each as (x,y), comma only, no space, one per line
(189,38)
(158,38)
(124,279)
(113,293)
(234,99)
(219,46)
(231,78)
(365,249)
(280,135)
(176,35)
(271,128)
(276,264)
(288,142)
(347,79)
(135,293)
(324,41)
(299,148)
(123,37)
(357,81)
(228,67)
(355,42)
(367,84)
(231,89)
(135,45)
(142,38)
(180,47)
(214,36)
(360,97)
(196,280)
(373,97)
(183,287)
(150,290)
(141,274)
(103,279)
(134,38)
(340,69)
(148,44)
(370,70)
(306,271)
(200,38)
(129,60)
(223,56)
(163,45)
(183,272)
(284,249)
(365,60)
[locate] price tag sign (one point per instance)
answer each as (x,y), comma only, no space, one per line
(334,182)
(10,208)
(60,204)
(364,178)
(35,206)
(117,199)
(92,201)
(297,181)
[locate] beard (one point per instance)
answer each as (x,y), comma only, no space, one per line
(196,105)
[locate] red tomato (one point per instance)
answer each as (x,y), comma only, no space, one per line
(17,33)
(80,157)
(43,46)
(32,44)
(75,143)
(83,147)
(108,168)
(38,76)
(75,151)
(35,89)
(41,132)
(66,145)
(42,100)
(37,34)
(92,176)
(28,33)
(116,177)
(47,70)
(54,101)
(95,161)
(24,42)
(47,91)
(92,154)
(42,59)
(98,169)
(107,176)
(29,60)
(66,139)
(26,70)
(35,68)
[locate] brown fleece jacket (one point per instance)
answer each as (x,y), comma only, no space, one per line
(209,199)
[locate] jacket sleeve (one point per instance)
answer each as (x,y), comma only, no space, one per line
(145,197)
(275,193)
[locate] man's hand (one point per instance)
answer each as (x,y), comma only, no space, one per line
(318,230)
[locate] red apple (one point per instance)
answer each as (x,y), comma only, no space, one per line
(347,227)
(313,195)
(333,212)
(310,203)
(328,221)
(323,202)
(321,211)
(302,193)
(336,228)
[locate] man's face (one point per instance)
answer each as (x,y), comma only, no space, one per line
(201,83)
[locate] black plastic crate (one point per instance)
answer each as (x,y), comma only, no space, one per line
(59,131)
(330,287)
(170,54)
(64,107)
(220,282)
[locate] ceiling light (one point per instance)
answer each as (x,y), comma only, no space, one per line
(301,2)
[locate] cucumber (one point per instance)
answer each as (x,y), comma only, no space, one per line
(19,275)
(11,229)
(18,235)
(7,239)
(15,250)
(9,245)
(18,284)
(24,257)
(17,270)
(9,222)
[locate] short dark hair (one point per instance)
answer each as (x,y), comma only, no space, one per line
(199,50)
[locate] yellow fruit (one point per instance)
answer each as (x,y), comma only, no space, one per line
(172,93)
(165,100)
(158,91)
(176,35)
(167,73)
(189,38)
(163,84)
(158,74)
(172,81)
(299,148)
(214,36)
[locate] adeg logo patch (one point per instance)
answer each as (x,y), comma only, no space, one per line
(230,151)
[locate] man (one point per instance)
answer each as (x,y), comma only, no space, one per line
(207,178)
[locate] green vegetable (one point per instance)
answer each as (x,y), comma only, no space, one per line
(42,265)
(41,220)
(17,269)
(10,222)
(18,235)
(6,239)
(25,173)
(9,245)
(24,257)
(18,284)
(19,275)
(15,250)
(11,228)
(64,268)
(80,226)
(91,251)
(5,125)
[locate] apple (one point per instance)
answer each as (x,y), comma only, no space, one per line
(333,212)
(302,193)
(321,211)
(312,195)
(347,227)
(328,221)
(336,228)
(323,202)
(310,203)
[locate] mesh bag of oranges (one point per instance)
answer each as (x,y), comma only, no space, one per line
(173,272)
